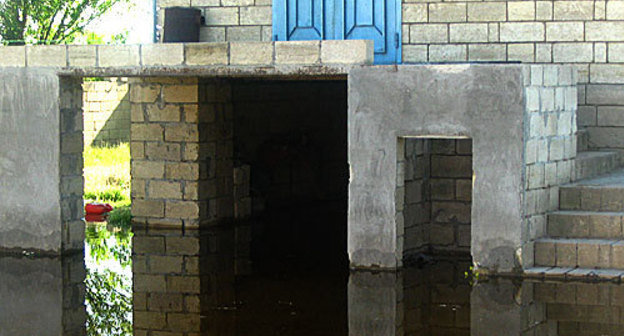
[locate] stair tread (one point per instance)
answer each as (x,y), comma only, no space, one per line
(575,273)
(600,241)
(586,155)
(614,179)
(586,213)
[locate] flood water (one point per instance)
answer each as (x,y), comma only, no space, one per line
(217,282)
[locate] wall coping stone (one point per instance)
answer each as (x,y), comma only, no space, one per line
(232,59)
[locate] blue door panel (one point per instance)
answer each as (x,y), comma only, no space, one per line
(305,20)
(366,19)
(376,20)
(299,20)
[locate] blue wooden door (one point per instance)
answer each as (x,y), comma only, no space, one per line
(372,20)
(296,20)
(376,20)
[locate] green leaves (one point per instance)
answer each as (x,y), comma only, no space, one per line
(48,21)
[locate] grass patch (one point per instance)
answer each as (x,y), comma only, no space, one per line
(120,217)
(107,179)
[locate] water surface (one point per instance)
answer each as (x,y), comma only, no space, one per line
(171,282)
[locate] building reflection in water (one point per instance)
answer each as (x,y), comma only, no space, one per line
(42,296)
(207,283)
(204,283)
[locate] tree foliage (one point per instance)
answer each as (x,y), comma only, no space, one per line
(48,21)
(108,295)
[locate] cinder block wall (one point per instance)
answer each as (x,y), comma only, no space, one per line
(229,20)
(182,169)
(106,107)
(587,34)
(438,193)
(550,147)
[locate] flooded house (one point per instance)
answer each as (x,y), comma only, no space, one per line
(407,141)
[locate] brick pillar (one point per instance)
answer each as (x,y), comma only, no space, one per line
(71,163)
(216,122)
(182,151)
(165,152)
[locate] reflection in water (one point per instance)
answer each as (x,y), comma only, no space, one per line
(108,280)
(42,296)
(205,283)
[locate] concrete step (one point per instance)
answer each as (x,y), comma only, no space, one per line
(604,275)
(604,193)
(582,140)
(595,163)
(583,253)
(585,224)
(582,313)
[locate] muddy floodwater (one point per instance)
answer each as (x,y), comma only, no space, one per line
(218,282)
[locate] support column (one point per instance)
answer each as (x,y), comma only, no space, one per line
(72,163)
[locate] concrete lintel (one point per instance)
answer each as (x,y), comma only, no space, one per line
(274,72)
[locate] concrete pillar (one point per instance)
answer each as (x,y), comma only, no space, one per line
(41,161)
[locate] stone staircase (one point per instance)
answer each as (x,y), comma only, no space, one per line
(585,237)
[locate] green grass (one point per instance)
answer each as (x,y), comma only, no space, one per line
(107,179)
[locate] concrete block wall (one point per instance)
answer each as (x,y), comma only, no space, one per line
(229,20)
(437,194)
(585,34)
(550,146)
(106,106)
(71,164)
(181,148)
(168,58)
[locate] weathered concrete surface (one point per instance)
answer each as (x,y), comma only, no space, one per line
(485,103)
(29,160)
(42,296)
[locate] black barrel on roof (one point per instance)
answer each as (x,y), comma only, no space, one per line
(181,24)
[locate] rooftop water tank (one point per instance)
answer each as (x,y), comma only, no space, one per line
(181,24)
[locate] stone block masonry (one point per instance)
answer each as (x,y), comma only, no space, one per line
(437,195)
(229,20)
(550,146)
(71,163)
(181,148)
(106,106)
(585,34)
(523,147)
(222,58)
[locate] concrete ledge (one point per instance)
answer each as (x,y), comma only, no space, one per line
(297,58)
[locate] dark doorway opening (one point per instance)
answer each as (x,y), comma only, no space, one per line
(290,141)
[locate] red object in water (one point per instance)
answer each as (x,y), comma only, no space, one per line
(95,218)
(98,208)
